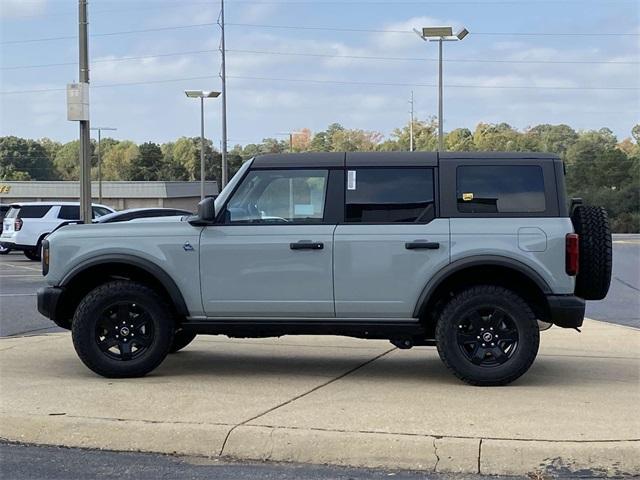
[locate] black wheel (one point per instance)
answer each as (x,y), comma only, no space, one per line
(33,254)
(595,252)
(122,329)
(180,340)
(4,250)
(487,335)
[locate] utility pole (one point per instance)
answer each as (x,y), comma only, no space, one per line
(99,129)
(85,141)
(411,124)
(440,110)
(223,76)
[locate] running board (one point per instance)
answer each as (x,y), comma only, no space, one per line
(275,327)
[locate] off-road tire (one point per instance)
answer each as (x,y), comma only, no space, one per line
(521,315)
(595,252)
(85,320)
(181,339)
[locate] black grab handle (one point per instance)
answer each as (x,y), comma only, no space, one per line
(423,244)
(306,245)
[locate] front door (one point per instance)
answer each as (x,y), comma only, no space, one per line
(391,242)
(272,253)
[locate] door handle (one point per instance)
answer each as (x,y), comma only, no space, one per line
(422,244)
(306,245)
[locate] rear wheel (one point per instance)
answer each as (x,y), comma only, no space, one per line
(487,335)
(122,329)
(4,250)
(33,254)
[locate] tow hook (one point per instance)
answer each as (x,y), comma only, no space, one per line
(402,343)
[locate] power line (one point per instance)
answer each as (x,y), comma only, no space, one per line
(108,34)
(344,29)
(329,55)
(308,27)
(333,82)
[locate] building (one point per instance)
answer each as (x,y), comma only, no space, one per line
(118,195)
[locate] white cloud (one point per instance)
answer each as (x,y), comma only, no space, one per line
(22,8)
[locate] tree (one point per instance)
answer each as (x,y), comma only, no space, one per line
(118,159)
(552,138)
(67,160)
(496,137)
(460,140)
(22,159)
(147,164)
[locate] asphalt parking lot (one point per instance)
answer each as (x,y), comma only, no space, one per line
(20,278)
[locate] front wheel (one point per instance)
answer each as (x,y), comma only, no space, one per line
(487,335)
(122,329)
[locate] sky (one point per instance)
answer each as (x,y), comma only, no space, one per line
(525,62)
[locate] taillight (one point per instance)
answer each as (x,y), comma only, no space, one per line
(45,257)
(572,254)
(17,225)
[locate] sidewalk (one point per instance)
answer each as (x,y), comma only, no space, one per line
(340,401)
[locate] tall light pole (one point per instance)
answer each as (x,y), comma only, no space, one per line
(99,129)
(201,94)
(440,35)
(411,123)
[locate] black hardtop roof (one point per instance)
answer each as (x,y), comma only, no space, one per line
(354,159)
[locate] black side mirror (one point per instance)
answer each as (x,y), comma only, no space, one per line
(207,210)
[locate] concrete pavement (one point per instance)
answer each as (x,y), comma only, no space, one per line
(339,401)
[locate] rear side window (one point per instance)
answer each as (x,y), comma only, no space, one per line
(390,195)
(69,212)
(500,189)
(29,211)
(98,212)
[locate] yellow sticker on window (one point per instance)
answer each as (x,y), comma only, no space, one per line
(467,197)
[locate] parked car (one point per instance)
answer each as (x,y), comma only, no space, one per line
(470,252)
(27,224)
(3,211)
(137,213)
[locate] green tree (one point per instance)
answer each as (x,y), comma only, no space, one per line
(22,159)
(67,160)
(460,140)
(147,164)
(118,159)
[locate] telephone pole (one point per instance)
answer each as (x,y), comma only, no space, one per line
(411,124)
(85,141)
(223,76)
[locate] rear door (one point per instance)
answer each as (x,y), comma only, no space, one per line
(391,241)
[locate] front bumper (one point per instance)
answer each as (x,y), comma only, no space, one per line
(566,311)
(49,303)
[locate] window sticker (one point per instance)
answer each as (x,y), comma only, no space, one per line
(467,197)
(351,180)
(303,209)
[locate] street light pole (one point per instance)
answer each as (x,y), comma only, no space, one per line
(99,129)
(202,95)
(223,77)
(291,134)
(411,124)
(440,35)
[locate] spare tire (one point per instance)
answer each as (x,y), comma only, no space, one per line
(594,241)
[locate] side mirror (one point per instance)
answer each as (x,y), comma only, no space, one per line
(207,210)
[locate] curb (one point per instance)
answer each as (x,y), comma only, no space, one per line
(341,448)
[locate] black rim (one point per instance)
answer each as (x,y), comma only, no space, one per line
(487,336)
(124,331)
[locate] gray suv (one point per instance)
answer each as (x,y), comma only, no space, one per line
(471,252)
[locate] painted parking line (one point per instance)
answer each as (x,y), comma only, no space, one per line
(21,275)
(17,294)
(12,265)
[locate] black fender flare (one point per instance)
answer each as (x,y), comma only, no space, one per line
(477,261)
(151,268)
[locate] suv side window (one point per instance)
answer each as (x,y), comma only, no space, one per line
(32,211)
(500,189)
(69,212)
(279,196)
(390,195)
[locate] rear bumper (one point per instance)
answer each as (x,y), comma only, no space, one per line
(48,303)
(16,246)
(566,311)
